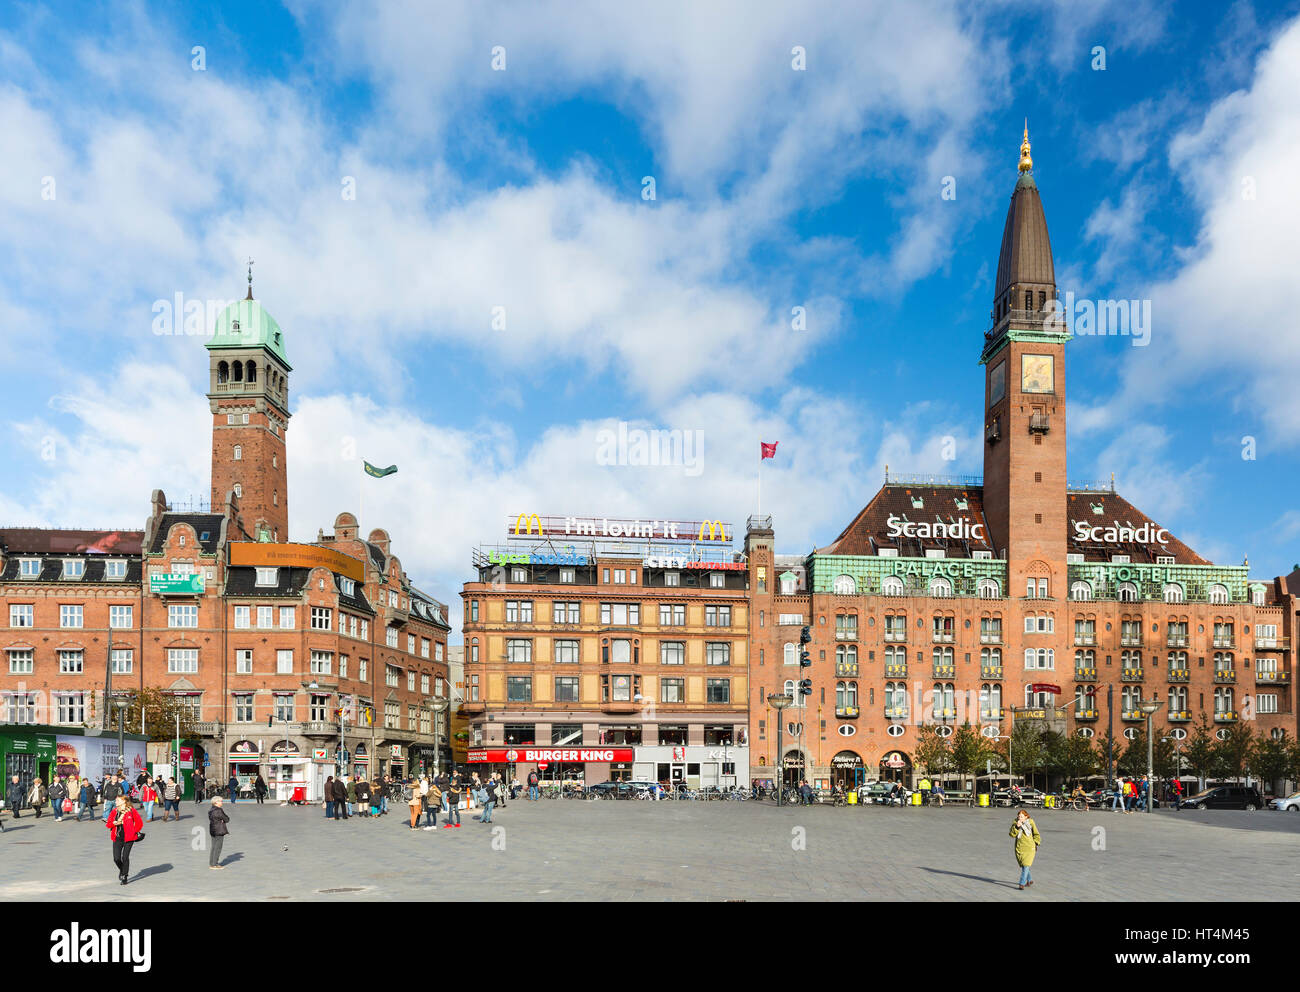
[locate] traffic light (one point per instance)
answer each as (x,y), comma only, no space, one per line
(805,687)
(805,635)
(805,659)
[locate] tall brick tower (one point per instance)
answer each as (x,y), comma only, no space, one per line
(1024,400)
(249,396)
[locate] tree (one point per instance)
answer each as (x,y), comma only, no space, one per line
(1234,752)
(1079,758)
(970,750)
(933,751)
(1107,745)
(1133,762)
(1199,753)
(1272,759)
(1023,752)
(160,712)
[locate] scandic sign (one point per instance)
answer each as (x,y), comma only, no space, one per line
(529,755)
(266,555)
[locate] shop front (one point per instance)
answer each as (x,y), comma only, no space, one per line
(692,766)
(33,751)
(322,766)
(244,761)
(423,760)
(397,763)
(795,769)
(848,770)
(896,766)
(559,765)
(289,770)
(361,760)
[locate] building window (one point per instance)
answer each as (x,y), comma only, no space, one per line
(424,647)
(390,637)
(114,569)
(1044,658)
(566,688)
(322,662)
(1173,593)
(786,584)
(940,587)
(717,690)
(322,618)
(519,689)
(717,616)
(672,614)
(564,612)
(791,653)
(243,662)
(1127,592)
(473,688)
(70,707)
(1081,591)
(243,617)
(672,579)
(392,675)
(671,691)
(519,651)
(182,661)
(268,576)
(892,585)
(1218,593)
(69,615)
(71,662)
(1040,624)
(20,661)
(620,614)
(29,568)
(239,453)
(566,652)
(988,589)
(717,653)
(244,707)
(519,611)
(844,586)
(284,707)
(122,660)
(22,615)
(265,617)
(672,652)
(289,618)
(410,681)
(182,616)
(74,568)
(717,580)
(363,666)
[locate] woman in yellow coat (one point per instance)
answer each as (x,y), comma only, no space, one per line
(1025,833)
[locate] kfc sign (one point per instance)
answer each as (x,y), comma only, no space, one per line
(533,755)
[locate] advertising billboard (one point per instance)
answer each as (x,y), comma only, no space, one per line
(296,556)
(95,757)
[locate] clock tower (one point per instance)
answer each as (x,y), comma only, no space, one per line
(1024,401)
(248,392)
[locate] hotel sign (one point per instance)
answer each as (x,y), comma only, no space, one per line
(532,526)
(530,755)
(1148,533)
(960,529)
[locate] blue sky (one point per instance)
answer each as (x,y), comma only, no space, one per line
(1166,176)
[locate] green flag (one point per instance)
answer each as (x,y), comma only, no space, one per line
(379,473)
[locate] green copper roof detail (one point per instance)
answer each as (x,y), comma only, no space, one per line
(246,324)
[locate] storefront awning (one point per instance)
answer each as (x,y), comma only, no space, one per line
(529,755)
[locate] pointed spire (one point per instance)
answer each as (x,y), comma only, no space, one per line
(250,280)
(1026,163)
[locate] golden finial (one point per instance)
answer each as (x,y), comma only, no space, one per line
(1026,163)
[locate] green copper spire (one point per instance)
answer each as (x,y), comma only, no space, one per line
(246,324)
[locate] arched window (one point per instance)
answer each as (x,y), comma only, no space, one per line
(791,654)
(787,585)
(239,452)
(845,586)
(239,490)
(891,585)
(1177,698)
(1218,593)
(792,690)
(1173,592)
(1257,596)
(1127,592)
(237,370)
(252,372)
(223,371)
(939,586)
(1081,591)
(988,589)
(851,693)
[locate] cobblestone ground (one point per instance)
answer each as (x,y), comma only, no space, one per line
(569,850)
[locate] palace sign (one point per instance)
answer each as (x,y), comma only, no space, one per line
(1148,533)
(531,526)
(960,529)
(531,755)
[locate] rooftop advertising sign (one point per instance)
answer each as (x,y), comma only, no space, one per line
(532,526)
(960,529)
(296,556)
(176,584)
(1148,533)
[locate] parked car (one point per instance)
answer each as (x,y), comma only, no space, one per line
(1028,795)
(1291,802)
(1226,797)
(612,790)
(876,792)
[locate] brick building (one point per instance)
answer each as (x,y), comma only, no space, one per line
(281,649)
(627,643)
(1021,595)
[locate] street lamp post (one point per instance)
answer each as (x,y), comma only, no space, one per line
(1149,707)
(779,703)
(439,706)
(120,703)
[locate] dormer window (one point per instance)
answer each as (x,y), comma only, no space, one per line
(268,576)
(114,569)
(29,568)
(234,326)
(961,502)
(349,587)
(74,568)
(917,502)
(1097,509)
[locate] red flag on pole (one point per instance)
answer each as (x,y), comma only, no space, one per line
(769,450)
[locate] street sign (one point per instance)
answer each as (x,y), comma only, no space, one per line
(206,761)
(543,765)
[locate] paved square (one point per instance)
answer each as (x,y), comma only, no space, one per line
(614,851)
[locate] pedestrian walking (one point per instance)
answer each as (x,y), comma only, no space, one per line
(124,828)
(501,789)
(377,798)
(533,781)
(109,793)
(86,798)
(171,800)
(1178,795)
(259,787)
(490,800)
(58,793)
(200,787)
(148,796)
(38,796)
(414,806)
(14,795)
(1117,797)
(232,788)
(328,795)
(340,800)
(432,799)
(1025,834)
(218,819)
(453,803)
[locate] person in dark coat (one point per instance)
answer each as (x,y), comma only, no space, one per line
(363,797)
(109,794)
(340,799)
(218,818)
(232,787)
(328,796)
(87,799)
(200,786)
(259,787)
(58,793)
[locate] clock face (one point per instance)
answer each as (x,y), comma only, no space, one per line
(997,382)
(1036,373)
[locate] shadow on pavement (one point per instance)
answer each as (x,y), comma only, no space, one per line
(152,870)
(973,878)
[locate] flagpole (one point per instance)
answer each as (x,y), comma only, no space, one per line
(760,483)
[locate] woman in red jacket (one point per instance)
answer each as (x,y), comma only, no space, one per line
(124,826)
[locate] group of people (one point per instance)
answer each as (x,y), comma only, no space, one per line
(444,792)
(1130,794)
(77,797)
(356,796)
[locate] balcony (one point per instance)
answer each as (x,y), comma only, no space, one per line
(1132,715)
(1223,641)
(943,714)
(942,637)
(895,712)
(1085,640)
(895,636)
(1180,716)
(895,671)
(846,712)
(207,729)
(619,706)
(1130,640)
(846,669)
(1085,714)
(320,728)
(1225,716)
(991,637)
(1180,675)
(1272,643)
(395,616)
(1085,675)
(847,635)
(990,672)
(945,671)
(474,708)
(1130,675)
(1040,423)
(987,714)
(1223,676)
(1273,678)
(1176,641)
